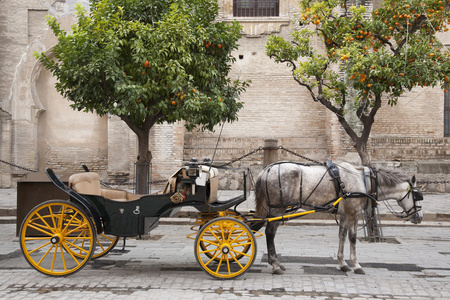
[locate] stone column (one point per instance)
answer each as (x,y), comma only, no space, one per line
(270,151)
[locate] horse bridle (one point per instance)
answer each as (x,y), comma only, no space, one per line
(416,195)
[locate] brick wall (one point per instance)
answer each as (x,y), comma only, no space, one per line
(408,136)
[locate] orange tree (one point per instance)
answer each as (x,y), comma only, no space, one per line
(148,61)
(367,60)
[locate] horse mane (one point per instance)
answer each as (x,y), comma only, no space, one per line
(390,178)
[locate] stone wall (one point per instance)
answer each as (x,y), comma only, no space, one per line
(33,134)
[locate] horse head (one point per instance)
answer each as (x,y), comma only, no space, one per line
(395,186)
(413,206)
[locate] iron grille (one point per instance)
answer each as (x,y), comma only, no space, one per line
(256,8)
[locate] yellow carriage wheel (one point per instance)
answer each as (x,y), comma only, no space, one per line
(225,248)
(57,238)
(204,244)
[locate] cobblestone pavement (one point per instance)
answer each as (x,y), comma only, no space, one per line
(413,264)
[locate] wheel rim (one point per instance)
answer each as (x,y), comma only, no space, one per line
(225,248)
(57,238)
(105,243)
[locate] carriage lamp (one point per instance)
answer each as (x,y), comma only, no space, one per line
(193,170)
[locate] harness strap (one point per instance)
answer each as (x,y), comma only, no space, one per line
(339,186)
(279,184)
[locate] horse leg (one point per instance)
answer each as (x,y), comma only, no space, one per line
(271,230)
(352,239)
(343,230)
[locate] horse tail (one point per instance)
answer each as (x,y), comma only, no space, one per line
(261,201)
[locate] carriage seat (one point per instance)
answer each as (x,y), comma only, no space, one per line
(88,183)
(213,177)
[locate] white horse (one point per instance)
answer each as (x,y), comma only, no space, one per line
(285,186)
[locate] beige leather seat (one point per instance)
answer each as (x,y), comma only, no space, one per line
(88,183)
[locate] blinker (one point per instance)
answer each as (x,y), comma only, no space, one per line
(417,195)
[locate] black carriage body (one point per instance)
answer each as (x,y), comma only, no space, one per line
(137,217)
(140,213)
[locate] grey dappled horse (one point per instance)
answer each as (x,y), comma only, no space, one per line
(284,185)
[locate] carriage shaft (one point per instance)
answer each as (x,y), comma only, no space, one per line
(303,213)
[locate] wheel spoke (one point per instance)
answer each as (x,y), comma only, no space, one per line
(45,255)
(70,253)
(45,222)
(210,243)
(69,222)
(77,247)
(219,264)
(236,260)
(40,247)
(62,257)
(54,258)
(35,226)
(233,241)
(214,235)
(213,258)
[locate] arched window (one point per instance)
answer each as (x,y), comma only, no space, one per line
(255,8)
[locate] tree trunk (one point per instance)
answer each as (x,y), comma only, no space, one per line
(143,161)
(144,155)
(361,148)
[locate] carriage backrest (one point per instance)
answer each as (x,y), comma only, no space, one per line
(86,183)
(213,176)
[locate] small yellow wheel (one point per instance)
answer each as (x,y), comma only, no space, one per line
(57,238)
(225,248)
(204,244)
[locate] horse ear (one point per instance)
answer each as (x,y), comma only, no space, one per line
(413,180)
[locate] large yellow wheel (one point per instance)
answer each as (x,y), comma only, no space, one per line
(57,238)
(225,248)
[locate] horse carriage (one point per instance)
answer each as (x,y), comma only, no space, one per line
(59,237)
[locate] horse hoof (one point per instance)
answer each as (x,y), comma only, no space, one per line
(282,267)
(359,271)
(277,271)
(346,269)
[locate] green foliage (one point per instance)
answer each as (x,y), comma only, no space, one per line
(388,53)
(148,60)
(365,59)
